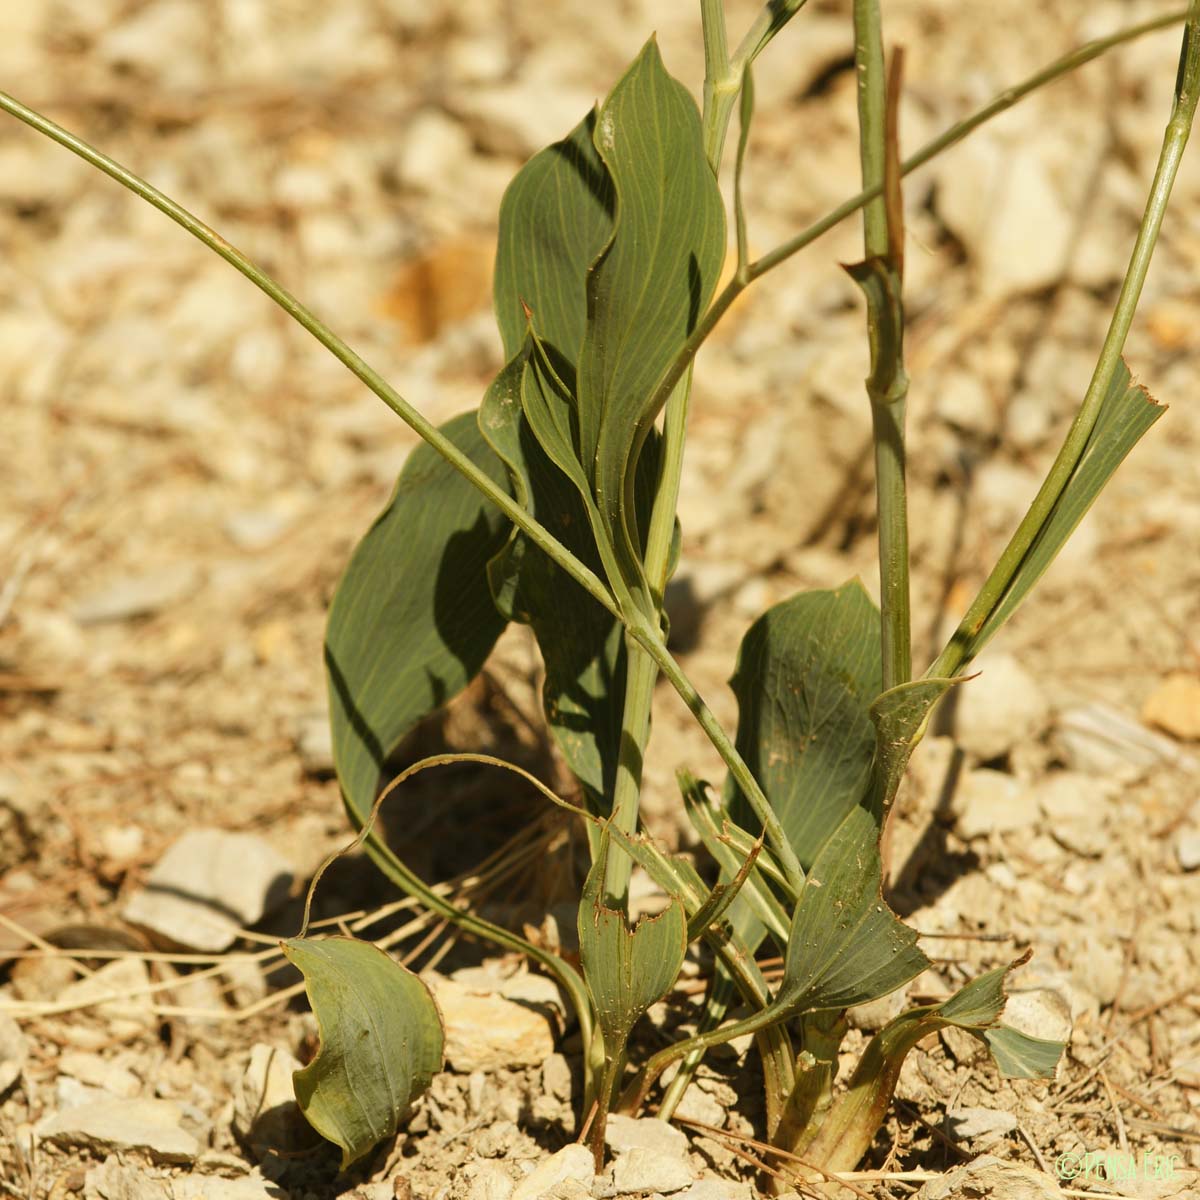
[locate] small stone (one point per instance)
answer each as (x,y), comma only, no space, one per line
(114,1180)
(431,149)
(216,1187)
(150,1127)
(265,1112)
(208,886)
(1175,707)
(963,401)
(718,1189)
(138,596)
(623,1133)
(642,1170)
(256,528)
(875,1014)
(1041,1013)
(698,1105)
(1001,708)
(556,1077)
(1187,848)
(981,1125)
(314,744)
(98,1072)
(119,992)
(489,1181)
(14,1052)
(991,1177)
(572,1163)
(485,1032)
(1071,795)
(1187,1071)
(1100,740)
(987,802)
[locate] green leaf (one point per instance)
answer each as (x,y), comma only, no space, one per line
(843,1137)
(626,970)
(412,620)
(653,281)
(846,946)
(381,1042)
(1126,413)
(807,672)
(900,716)
(555,218)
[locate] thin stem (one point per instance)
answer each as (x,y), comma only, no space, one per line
(950,137)
(741,773)
(720,81)
(334,344)
(640,675)
(960,647)
(887,385)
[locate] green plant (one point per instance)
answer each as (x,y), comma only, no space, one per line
(554,505)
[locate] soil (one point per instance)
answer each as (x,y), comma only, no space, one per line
(186,472)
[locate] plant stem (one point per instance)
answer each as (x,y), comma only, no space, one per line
(959,650)
(949,137)
(641,671)
(887,385)
(330,340)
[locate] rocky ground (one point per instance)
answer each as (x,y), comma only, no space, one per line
(185,473)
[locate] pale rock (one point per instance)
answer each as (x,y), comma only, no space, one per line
(718,1189)
(138,595)
(14,1052)
(1174,707)
(642,1170)
(982,1126)
(556,1077)
(1027,422)
(1072,796)
(208,886)
(1040,1012)
(1100,740)
(157,35)
(699,1105)
(115,1180)
(644,1133)
(1002,707)
(875,1014)
(70,1093)
(99,1072)
(505,119)
(990,1178)
(987,802)
(572,1164)
(488,1181)
(1187,1070)
(265,1112)
(119,991)
(1187,848)
(486,1032)
(962,401)
(314,744)
(216,1187)
(1002,205)
(256,528)
(151,1127)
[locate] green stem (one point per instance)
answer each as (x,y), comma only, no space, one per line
(887,386)
(641,672)
(536,532)
(960,647)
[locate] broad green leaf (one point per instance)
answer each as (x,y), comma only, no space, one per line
(843,1137)
(900,716)
(381,1042)
(555,218)
(582,644)
(653,281)
(412,620)
(846,946)
(807,673)
(1126,413)
(626,970)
